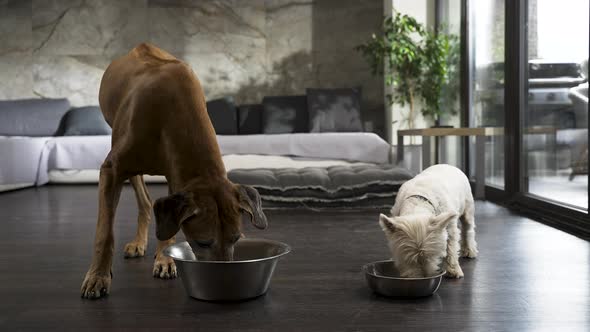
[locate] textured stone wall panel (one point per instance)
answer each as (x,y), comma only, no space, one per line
(246,49)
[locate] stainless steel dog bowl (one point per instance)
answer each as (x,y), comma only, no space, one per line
(384,279)
(247,276)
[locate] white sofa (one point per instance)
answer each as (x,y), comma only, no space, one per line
(35,161)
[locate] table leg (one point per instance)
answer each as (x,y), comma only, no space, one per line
(436,149)
(426,152)
(480,171)
(553,143)
(400,149)
(442,155)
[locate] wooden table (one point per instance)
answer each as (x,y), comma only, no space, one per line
(480,135)
(427,133)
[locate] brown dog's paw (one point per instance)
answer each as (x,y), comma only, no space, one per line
(164,267)
(454,272)
(134,249)
(96,285)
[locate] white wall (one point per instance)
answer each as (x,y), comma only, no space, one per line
(562,30)
(423,11)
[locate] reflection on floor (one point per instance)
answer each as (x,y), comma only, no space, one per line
(554,187)
(561,189)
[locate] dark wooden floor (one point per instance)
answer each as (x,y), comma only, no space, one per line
(529,277)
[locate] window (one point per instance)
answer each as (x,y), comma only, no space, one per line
(486,71)
(555,120)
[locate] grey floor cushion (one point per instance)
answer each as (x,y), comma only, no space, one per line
(324,186)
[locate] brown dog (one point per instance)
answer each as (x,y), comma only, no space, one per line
(156,107)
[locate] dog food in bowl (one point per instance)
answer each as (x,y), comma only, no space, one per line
(247,276)
(384,279)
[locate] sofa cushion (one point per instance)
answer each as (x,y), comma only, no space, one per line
(223,115)
(32,117)
(334,110)
(360,146)
(250,119)
(285,115)
(85,121)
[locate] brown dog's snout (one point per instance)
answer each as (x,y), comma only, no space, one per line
(214,254)
(225,254)
(229,254)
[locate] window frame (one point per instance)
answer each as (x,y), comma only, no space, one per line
(514,195)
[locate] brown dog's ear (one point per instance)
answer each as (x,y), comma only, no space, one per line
(441,221)
(251,203)
(170,212)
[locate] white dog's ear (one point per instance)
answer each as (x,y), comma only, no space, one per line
(441,221)
(387,224)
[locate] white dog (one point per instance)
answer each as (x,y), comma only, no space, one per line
(423,229)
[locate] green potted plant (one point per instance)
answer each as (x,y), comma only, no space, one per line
(419,62)
(437,86)
(452,87)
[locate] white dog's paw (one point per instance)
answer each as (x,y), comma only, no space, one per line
(469,252)
(454,272)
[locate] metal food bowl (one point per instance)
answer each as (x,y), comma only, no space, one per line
(384,279)
(247,276)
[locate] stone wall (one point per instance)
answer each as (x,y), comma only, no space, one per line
(246,49)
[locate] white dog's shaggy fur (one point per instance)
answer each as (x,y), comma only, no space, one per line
(423,230)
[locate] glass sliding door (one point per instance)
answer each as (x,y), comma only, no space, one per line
(448,20)
(555,119)
(486,71)
(526,74)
